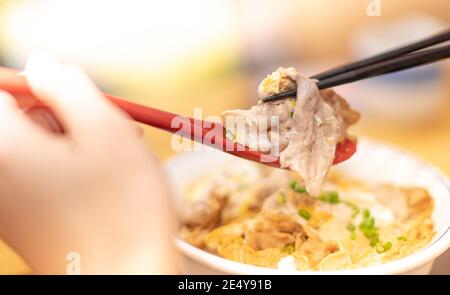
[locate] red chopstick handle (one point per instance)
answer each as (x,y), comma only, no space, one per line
(14,83)
(11,81)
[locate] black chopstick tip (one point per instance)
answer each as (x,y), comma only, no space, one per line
(394,60)
(280,96)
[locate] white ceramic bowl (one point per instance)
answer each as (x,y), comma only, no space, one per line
(373,163)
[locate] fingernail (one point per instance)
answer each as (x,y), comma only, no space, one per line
(41,63)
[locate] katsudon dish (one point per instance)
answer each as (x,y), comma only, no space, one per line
(254,214)
(303,217)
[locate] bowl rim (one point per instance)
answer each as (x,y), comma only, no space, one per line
(402,265)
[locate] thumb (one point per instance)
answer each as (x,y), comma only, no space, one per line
(70,94)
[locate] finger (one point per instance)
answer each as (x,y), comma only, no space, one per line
(43,117)
(15,129)
(25,101)
(77,103)
(11,119)
(140,131)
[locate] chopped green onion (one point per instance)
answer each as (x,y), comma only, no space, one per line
(281,198)
(368,223)
(355,211)
(300,189)
(402,238)
(369,232)
(330,197)
(367,227)
(294,103)
(374,240)
(387,246)
(293,184)
(289,249)
(305,214)
(296,187)
(351,227)
(291,114)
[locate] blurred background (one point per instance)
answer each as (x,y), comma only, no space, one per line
(177,55)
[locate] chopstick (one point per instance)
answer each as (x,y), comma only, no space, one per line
(387,62)
(433,40)
(389,66)
(205,132)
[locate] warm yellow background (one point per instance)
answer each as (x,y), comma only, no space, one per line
(210,75)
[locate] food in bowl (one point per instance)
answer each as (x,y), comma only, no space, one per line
(263,216)
(308,127)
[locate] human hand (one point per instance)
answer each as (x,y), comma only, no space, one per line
(94,190)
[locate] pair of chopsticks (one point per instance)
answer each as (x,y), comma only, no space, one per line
(390,61)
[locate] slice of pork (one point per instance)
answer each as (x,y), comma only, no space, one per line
(308,130)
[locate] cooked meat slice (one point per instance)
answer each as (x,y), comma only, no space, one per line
(308,130)
(315,133)
(272,230)
(342,109)
(269,240)
(394,199)
(270,221)
(194,236)
(204,213)
(419,200)
(315,251)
